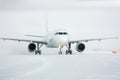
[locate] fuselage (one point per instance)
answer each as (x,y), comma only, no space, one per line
(57,39)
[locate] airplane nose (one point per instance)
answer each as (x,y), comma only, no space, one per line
(63,40)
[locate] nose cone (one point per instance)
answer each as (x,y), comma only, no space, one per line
(62,40)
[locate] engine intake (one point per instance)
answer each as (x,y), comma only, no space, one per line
(80,47)
(31,47)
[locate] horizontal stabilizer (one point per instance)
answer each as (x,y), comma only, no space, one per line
(35,36)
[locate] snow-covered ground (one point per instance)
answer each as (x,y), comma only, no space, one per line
(60,67)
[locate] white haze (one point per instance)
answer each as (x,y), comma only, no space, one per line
(83,19)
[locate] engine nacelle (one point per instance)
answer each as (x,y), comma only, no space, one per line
(80,47)
(31,47)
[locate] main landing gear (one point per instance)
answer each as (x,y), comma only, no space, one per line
(69,51)
(38,51)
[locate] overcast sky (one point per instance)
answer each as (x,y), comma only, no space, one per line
(81,18)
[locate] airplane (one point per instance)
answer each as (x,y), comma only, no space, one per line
(56,39)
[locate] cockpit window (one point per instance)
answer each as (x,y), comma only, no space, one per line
(61,33)
(65,33)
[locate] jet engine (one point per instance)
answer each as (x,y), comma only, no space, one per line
(31,47)
(80,47)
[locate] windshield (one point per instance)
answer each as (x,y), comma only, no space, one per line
(61,33)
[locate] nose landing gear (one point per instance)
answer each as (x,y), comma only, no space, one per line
(60,50)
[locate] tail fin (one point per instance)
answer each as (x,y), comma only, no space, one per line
(46,21)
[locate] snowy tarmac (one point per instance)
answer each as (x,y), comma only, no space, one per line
(60,67)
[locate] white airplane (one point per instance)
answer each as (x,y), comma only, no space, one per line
(57,39)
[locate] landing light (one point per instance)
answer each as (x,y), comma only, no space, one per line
(116,52)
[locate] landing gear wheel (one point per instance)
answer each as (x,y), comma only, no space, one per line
(38,51)
(60,53)
(68,52)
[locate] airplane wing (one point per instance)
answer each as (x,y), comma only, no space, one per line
(24,40)
(86,40)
